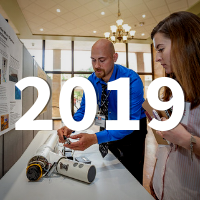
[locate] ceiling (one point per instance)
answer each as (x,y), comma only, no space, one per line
(82,17)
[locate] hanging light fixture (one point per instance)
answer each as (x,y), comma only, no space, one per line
(121,32)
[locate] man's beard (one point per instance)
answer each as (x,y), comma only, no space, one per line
(100,75)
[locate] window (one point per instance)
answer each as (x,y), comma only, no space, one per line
(35,49)
(48,60)
(58,55)
(60,68)
(147,62)
(82,56)
(120,48)
(146,80)
(140,57)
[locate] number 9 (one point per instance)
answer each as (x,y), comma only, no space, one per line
(177,101)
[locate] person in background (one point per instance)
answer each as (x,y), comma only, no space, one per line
(177,169)
(126,145)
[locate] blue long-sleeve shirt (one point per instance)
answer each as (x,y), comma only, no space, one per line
(136,100)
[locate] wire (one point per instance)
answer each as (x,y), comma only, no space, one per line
(73,153)
(61,153)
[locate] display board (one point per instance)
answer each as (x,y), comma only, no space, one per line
(10,74)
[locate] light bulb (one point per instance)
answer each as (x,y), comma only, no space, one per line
(124,38)
(132,33)
(107,34)
(119,22)
(127,28)
(112,38)
(113,28)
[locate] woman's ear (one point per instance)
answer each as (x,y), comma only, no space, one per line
(115,57)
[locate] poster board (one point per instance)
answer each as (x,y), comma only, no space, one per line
(10,73)
(149,111)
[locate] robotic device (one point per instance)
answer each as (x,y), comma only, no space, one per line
(46,160)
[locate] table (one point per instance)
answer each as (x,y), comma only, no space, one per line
(113,181)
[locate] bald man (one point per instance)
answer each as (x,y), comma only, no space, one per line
(126,145)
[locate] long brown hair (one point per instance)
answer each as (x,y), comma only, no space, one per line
(183,29)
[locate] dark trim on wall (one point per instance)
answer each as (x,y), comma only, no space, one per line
(127,61)
(43,55)
(72,59)
(3,155)
(152,62)
(84,72)
(72,96)
(67,72)
(144,73)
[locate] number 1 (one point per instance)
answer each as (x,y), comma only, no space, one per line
(122,85)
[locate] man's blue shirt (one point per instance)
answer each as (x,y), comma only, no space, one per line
(136,100)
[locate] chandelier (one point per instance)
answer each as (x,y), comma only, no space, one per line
(121,32)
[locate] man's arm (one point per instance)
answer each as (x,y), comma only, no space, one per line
(136,101)
(78,116)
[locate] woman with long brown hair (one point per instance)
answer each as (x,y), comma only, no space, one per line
(177,170)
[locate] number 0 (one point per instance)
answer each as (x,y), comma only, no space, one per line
(90,103)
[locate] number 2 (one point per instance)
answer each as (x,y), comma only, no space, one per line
(27,122)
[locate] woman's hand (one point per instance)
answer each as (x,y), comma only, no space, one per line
(179,135)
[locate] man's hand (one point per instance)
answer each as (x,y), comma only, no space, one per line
(63,131)
(85,140)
